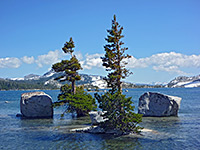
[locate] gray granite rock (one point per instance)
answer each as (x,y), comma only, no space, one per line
(96,117)
(158,105)
(96,130)
(36,105)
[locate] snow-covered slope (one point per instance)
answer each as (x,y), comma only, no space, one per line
(48,78)
(183,81)
(16,79)
(193,84)
(31,77)
(49,74)
(98,81)
(27,77)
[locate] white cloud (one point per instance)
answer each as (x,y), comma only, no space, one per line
(79,55)
(172,69)
(169,62)
(91,61)
(50,58)
(28,60)
(10,62)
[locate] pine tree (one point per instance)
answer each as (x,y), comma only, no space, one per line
(70,67)
(68,47)
(81,103)
(77,100)
(119,109)
(114,59)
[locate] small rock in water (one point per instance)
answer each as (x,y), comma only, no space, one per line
(19,115)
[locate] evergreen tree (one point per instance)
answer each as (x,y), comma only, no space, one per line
(68,47)
(79,102)
(70,67)
(119,109)
(114,59)
(119,112)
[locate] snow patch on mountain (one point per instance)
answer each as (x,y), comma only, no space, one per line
(98,81)
(193,84)
(49,74)
(27,77)
(181,84)
(183,81)
(16,79)
(32,77)
(53,82)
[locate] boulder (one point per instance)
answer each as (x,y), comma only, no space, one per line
(96,117)
(36,105)
(158,105)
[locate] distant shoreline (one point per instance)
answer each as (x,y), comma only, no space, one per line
(26,89)
(93,90)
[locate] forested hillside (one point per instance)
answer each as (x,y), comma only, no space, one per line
(28,84)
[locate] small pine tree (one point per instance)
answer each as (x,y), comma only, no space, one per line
(70,67)
(120,110)
(79,102)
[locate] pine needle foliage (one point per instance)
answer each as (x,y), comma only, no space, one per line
(70,67)
(75,98)
(119,109)
(115,57)
(80,103)
(120,113)
(68,47)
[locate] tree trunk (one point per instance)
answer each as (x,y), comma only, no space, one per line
(80,113)
(73,88)
(119,84)
(120,87)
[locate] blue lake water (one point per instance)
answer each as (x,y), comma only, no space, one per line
(182,132)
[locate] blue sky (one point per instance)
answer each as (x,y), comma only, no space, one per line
(163,37)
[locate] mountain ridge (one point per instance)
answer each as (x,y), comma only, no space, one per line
(184,81)
(46,81)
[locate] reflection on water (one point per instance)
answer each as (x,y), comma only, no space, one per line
(54,134)
(165,133)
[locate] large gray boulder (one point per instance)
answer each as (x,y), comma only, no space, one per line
(158,105)
(36,105)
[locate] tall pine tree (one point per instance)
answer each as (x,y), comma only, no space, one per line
(114,59)
(119,109)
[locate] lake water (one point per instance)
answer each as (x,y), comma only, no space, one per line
(182,132)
